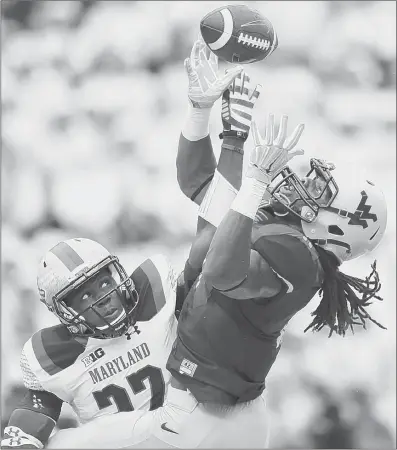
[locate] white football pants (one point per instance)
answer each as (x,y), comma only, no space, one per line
(180,423)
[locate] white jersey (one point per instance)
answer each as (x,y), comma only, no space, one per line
(105,376)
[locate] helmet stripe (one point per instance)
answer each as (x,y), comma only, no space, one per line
(69,257)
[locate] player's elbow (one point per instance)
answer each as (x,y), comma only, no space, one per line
(184,173)
(185,179)
(184,183)
(224,283)
(222,280)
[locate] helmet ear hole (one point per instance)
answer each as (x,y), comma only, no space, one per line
(334,229)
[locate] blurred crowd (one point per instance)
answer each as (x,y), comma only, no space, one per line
(93,101)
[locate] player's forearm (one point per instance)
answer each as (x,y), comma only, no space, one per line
(228,259)
(195,160)
(33,429)
(33,420)
(219,197)
(195,164)
(230,163)
(225,183)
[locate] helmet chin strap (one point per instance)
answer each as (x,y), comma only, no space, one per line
(279,214)
(120,316)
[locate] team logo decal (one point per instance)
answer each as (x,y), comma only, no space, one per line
(362,212)
(12,431)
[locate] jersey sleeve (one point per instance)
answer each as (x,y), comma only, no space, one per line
(288,252)
(29,378)
(168,277)
(195,165)
(34,418)
(45,355)
(185,281)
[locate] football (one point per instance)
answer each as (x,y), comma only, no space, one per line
(238,34)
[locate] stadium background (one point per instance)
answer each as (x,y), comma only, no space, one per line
(93,101)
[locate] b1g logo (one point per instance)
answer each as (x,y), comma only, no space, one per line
(94,356)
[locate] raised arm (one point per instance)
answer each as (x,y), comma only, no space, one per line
(195,160)
(230,263)
(237,104)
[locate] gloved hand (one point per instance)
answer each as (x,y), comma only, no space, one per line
(238,102)
(206,83)
(270,156)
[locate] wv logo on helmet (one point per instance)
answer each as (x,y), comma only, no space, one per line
(363,212)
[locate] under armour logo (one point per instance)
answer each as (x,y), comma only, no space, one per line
(362,213)
(12,431)
(14,442)
(136,330)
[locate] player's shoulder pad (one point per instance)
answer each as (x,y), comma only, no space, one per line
(155,280)
(55,348)
(287,250)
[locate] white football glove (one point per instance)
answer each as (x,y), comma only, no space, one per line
(206,84)
(238,102)
(270,156)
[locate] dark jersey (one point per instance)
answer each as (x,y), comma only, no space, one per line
(226,347)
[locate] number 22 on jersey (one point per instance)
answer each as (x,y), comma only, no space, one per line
(121,397)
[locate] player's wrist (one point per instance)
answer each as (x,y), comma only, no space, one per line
(233,136)
(232,143)
(249,197)
(232,125)
(196,124)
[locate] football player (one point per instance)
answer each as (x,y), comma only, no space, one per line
(282,241)
(260,255)
(110,350)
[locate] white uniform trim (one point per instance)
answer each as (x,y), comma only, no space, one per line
(217,200)
(196,124)
(290,286)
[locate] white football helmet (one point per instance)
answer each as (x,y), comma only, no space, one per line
(348,217)
(66,267)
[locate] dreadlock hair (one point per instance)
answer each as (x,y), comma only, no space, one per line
(340,308)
